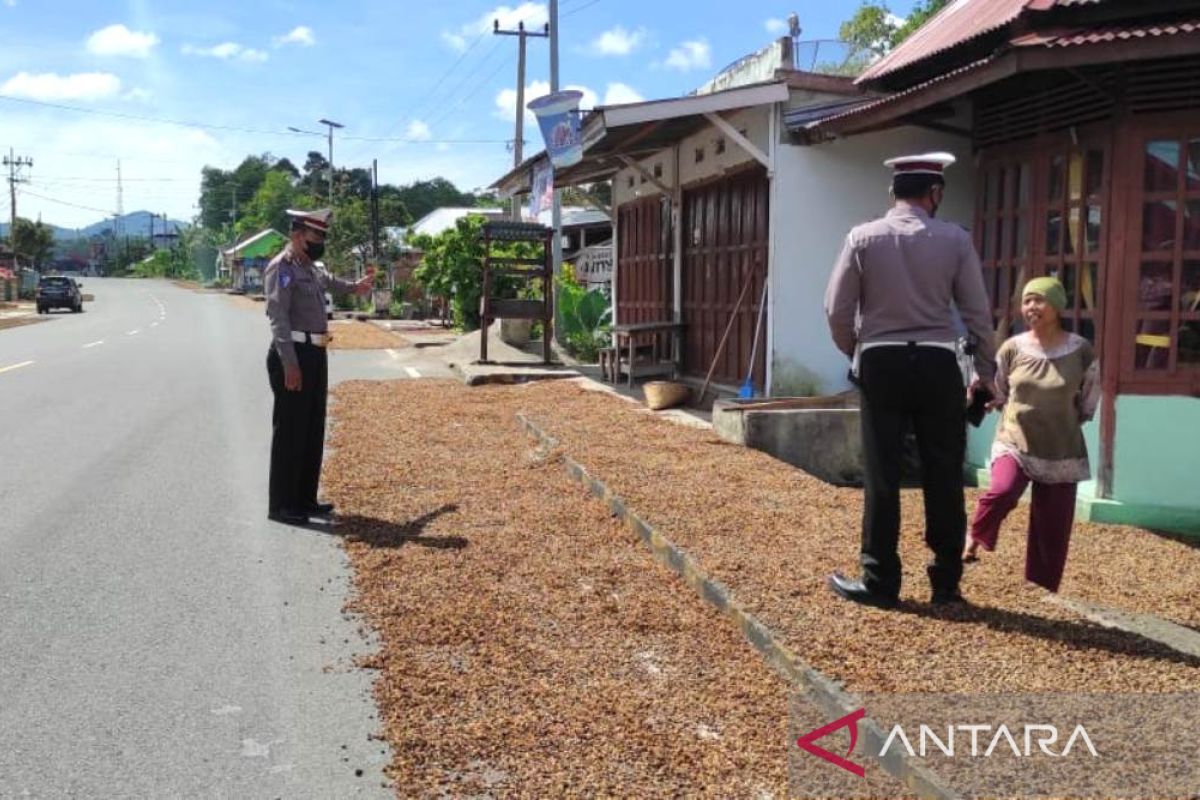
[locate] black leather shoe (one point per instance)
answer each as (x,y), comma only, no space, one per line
(288,517)
(954,598)
(855,592)
(320,509)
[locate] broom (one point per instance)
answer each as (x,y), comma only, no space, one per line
(747,390)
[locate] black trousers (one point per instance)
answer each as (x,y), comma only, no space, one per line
(920,387)
(297,429)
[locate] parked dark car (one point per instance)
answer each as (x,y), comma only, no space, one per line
(58,291)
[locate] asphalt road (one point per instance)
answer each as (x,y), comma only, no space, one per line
(159,637)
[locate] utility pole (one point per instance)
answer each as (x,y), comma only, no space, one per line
(14,165)
(331,124)
(519,140)
(375,208)
(556,213)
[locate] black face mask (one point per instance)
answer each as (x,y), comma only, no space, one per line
(314,250)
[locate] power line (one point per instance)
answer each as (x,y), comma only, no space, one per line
(577,9)
(507,63)
(105,211)
(232,128)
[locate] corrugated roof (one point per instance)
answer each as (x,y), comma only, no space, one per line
(960,21)
(800,122)
(1114,33)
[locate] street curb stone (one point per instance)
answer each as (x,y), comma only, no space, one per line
(819,689)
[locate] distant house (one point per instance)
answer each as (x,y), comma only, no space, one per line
(243,264)
(443,219)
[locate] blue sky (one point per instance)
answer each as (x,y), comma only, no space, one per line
(427,74)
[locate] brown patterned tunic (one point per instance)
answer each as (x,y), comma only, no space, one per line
(1047,397)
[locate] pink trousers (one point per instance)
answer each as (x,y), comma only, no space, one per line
(1051,515)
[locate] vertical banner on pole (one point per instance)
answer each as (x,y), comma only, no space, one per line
(542,195)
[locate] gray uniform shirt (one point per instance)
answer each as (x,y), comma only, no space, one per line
(295,290)
(900,278)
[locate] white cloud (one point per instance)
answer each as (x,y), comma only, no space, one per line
(618,42)
(137,95)
(418,131)
(226,51)
(301,35)
(534,15)
(506,102)
(117,40)
(454,41)
(10,3)
(776,27)
(619,93)
(52,86)
(696,54)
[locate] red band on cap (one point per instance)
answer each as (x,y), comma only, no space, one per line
(920,166)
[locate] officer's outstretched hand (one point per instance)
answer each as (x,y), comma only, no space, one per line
(291,377)
(364,286)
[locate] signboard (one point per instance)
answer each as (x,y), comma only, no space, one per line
(595,264)
(558,117)
(541,198)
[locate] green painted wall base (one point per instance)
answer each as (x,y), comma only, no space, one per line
(1090,508)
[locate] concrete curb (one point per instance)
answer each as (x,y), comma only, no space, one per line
(818,688)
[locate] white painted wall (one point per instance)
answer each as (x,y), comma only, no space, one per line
(754,121)
(820,193)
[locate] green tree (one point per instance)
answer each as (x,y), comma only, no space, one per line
(351,228)
(869,32)
(873,31)
(33,241)
(921,13)
(452,267)
(268,208)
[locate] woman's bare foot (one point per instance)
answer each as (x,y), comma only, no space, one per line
(971,554)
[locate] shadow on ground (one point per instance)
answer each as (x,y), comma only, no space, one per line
(1077,635)
(392,535)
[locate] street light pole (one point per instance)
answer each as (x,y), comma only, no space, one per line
(331,124)
(329,137)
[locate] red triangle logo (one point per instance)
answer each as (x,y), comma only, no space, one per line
(806,742)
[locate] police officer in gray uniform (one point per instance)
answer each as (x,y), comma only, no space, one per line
(297,365)
(890,306)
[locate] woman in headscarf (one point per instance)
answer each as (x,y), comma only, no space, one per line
(1048,386)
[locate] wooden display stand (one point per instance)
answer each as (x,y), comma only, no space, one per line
(526,269)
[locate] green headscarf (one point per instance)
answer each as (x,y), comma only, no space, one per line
(1049,288)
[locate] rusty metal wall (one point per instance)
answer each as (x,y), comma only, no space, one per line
(725,238)
(644,261)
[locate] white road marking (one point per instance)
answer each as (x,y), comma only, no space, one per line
(393,353)
(93,344)
(132,333)
(412,372)
(11,367)
(154,324)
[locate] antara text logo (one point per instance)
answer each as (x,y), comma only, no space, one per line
(967,740)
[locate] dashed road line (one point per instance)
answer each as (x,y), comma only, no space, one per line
(393,353)
(412,372)
(93,344)
(132,333)
(11,367)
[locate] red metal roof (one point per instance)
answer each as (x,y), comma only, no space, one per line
(960,21)
(1115,33)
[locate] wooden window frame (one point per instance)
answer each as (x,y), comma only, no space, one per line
(1131,195)
(1037,153)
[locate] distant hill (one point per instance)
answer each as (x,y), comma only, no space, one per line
(136,224)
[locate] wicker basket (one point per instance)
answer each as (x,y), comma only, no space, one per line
(665,394)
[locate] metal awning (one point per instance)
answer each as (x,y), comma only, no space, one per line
(612,134)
